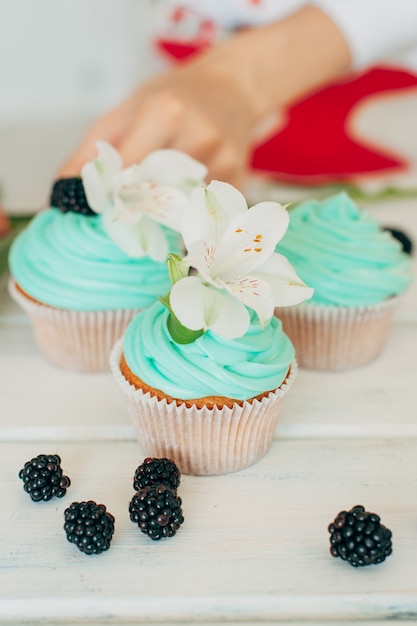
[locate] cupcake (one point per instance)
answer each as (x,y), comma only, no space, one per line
(358,272)
(204,369)
(83,268)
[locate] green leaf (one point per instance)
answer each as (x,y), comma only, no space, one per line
(179,333)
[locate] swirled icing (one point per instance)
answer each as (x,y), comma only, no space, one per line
(343,253)
(68,261)
(235,368)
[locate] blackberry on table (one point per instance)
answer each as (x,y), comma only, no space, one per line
(68,195)
(357,536)
(156,509)
(43,479)
(89,526)
(157,471)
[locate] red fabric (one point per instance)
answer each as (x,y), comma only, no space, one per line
(178,50)
(315,144)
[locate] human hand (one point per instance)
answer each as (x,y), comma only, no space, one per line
(197,108)
(210,106)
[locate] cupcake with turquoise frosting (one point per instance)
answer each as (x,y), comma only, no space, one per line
(85,267)
(205,368)
(358,272)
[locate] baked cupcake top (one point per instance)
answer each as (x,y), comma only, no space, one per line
(211,365)
(215,334)
(343,253)
(68,261)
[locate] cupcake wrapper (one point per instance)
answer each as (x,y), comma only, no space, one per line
(336,338)
(202,441)
(75,340)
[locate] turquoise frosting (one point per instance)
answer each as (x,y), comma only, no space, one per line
(344,254)
(68,261)
(235,368)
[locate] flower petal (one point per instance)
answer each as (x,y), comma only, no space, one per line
(286,286)
(199,306)
(250,240)
(146,238)
(135,196)
(255,293)
(173,168)
(98,176)
(108,162)
(200,256)
(96,193)
(209,212)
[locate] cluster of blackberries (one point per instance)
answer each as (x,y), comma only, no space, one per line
(89,526)
(68,195)
(156,507)
(358,537)
(42,477)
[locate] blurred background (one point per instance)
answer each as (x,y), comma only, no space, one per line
(65,62)
(62,63)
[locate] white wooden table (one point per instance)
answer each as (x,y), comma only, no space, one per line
(254,546)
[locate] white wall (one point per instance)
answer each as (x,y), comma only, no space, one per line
(62,63)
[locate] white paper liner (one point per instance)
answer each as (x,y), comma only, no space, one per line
(202,441)
(336,338)
(75,340)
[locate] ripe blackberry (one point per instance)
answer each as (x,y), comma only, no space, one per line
(89,526)
(156,509)
(42,477)
(68,195)
(404,239)
(156,472)
(358,537)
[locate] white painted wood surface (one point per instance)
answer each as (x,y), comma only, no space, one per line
(254,545)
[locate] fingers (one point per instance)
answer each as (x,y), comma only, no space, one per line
(165,117)
(155,126)
(85,152)
(225,156)
(228,166)
(112,127)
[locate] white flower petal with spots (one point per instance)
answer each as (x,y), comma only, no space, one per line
(158,189)
(232,250)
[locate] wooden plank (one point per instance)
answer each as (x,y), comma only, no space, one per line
(254,545)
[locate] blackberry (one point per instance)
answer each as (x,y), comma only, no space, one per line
(157,471)
(358,537)
(68,195)
(42,477)
(89,526)
(404,239)
(156,509)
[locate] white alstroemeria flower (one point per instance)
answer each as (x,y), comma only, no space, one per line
(232,248)
(136,201)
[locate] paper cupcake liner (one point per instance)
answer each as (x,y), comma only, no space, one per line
(75,340)
(336,338)
(202,441)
